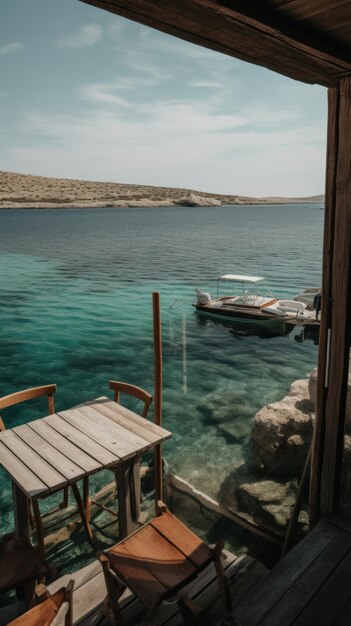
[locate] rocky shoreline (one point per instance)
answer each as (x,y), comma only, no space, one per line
(40,192)
(281,437)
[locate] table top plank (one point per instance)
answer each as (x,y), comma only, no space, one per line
(135,423)
(48,454)
(36,464)
(65,466)
(82,441)
(129,441)
(63,445)
(82,419)
(21,474)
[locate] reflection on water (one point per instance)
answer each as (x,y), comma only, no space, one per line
(237,327)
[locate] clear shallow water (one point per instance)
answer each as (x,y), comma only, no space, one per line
(75,309)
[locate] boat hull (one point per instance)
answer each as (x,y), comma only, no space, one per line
(252,321)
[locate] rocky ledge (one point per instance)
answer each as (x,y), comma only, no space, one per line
(281,437)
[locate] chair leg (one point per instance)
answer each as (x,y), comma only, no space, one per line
(86,498)
(221,577)
(190,610)
(136,490)
(69,599)
(82,512)
(25,593)
(114,589)
(64,503)
(39,528)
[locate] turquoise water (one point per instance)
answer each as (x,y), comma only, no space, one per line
(76,309)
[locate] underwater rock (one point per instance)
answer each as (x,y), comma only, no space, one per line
(268,502)
(225,405)
(282,434)
(235,432)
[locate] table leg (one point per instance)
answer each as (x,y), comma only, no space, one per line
(21,511)
(81,510)
(136,485)
(126,497)
(39,527)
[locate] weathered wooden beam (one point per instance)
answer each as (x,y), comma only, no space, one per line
(283,47)
(337,366)
(326,312)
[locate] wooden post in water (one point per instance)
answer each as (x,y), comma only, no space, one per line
(156,309)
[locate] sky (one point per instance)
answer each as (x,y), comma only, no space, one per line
(86,94)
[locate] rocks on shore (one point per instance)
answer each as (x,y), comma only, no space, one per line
(282,433)
(268,502)
(281,438)
(193,199)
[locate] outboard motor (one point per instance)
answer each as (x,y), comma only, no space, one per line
(317,303)
(202,297)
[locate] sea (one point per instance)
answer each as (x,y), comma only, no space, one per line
(76,310)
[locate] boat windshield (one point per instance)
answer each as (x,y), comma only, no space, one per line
(246,284)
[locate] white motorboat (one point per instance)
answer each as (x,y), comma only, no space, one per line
(248,303)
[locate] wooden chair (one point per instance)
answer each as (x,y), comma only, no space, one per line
(51,610)
(136,392)
(131,390)
(28,394)
(20,566)
(156,562)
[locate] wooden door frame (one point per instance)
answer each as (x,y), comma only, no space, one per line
(333,358)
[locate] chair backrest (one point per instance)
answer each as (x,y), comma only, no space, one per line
(51,610)
(131,390)
(28,394)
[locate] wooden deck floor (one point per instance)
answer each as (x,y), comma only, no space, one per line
(89,594)
(310,586)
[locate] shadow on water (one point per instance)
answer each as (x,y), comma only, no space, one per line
(247,328)
(308,334)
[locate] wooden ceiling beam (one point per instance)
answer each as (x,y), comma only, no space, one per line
(216,25)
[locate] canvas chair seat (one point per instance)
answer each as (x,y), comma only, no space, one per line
(157,561)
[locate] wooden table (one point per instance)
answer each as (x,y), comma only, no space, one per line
(48,454)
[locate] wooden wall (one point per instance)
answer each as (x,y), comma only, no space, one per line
(333,361)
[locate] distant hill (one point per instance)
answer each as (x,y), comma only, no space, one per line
(277,200)
(26,191)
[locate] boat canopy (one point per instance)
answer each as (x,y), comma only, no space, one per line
(240,279)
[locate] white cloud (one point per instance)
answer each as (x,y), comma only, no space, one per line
(179,145)
(88,35)
(212,84)
(11,48)
(103,93)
